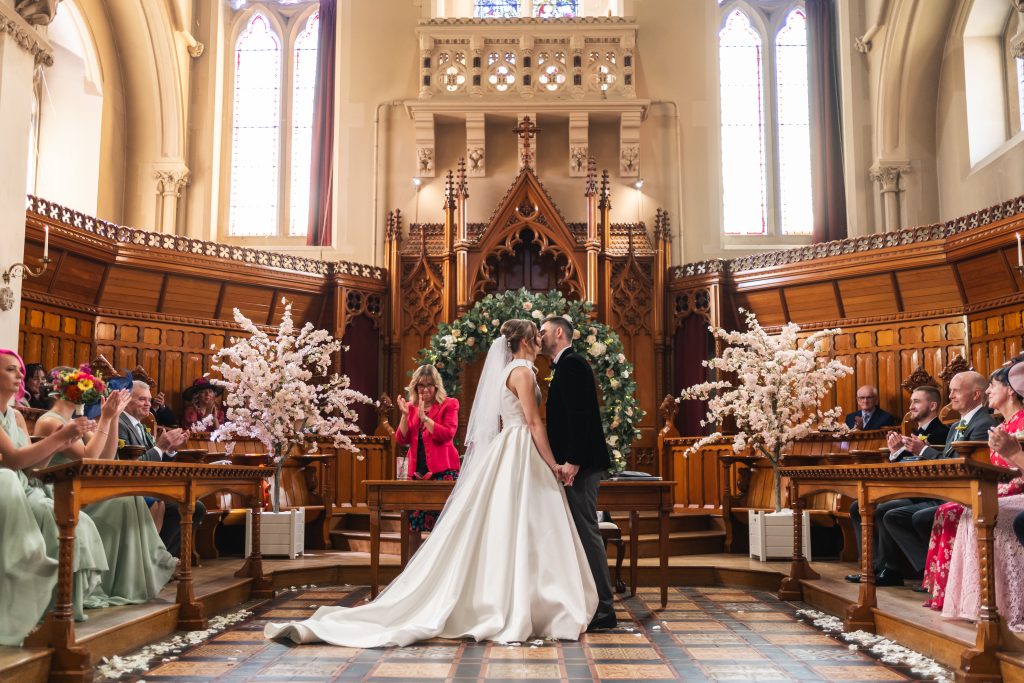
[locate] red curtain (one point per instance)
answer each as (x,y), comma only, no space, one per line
(691,346)
(321,178)
(827,184)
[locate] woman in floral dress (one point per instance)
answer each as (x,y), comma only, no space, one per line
(1008,403)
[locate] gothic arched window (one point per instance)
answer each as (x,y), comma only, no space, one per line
(273,75)
(765,133)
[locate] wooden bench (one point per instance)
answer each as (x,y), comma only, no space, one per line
(305,483)
(748,483)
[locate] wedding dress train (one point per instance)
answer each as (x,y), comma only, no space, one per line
(503,563)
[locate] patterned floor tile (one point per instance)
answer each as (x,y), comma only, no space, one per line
(517,671)
(706,634)
(634,671)
(193,669)
(631,653)
(409,670)
(865,672)
(745,672)
(523,653)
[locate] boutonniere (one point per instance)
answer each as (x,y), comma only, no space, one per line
(148,431)
(961,428)
(550,377)
(121,443)
(922,437)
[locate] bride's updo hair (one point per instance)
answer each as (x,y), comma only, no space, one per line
(518,331)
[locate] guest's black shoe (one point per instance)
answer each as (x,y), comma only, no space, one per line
(918,589)
(853,578)
(604,622)
(889,577)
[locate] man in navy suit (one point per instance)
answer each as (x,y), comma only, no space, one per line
(868,415)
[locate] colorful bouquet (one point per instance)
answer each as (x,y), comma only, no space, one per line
(80,386)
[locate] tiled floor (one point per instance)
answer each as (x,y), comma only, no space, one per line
(717,634)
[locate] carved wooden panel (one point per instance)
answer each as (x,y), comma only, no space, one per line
(928,289)
(812,302)
(54,337)
(869,296)
(996,337)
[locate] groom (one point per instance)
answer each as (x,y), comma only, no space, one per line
(577,440)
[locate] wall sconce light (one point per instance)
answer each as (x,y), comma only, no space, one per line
(639,184)
(24,271)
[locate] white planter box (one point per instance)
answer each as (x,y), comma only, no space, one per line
(281,533)
(771,534)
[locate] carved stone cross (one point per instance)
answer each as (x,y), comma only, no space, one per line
(526,130)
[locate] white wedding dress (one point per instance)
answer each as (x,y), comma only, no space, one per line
(503,562)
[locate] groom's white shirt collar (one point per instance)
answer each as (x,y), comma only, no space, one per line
(559,354)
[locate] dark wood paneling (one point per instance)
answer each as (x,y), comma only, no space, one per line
(253,302)
(812,302)
(76,278)
(190,296)
(766,304)
(868,296)
(985,277)
(133,289)
(928,289)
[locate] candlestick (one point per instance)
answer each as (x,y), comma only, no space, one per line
(1020,254)
(46,243)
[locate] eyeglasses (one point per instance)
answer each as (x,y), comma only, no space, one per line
(424,386)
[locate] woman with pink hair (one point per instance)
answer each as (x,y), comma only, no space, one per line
(28,529)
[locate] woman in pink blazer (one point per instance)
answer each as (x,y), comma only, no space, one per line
(430,419)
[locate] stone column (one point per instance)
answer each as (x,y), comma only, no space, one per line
(22,51)
(887,176)
(170,181)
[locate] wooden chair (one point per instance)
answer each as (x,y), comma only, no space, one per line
(611,534)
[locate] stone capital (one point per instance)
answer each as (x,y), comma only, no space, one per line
(170,182)
(14,25)
(37,12)
(888,175)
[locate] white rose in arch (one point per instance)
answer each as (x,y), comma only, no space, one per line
(576,334)
(456,333)
(591,339)
(622,358)
(568,317)
(527,305)
(538,315)
(613,440)
(597,349)
(495,323)
(616,384)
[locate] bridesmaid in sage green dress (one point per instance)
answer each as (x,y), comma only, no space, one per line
(139,563)
(28,572)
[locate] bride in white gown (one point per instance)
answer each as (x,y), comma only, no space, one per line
(504,561)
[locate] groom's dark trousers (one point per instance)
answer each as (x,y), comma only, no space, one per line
(576,436)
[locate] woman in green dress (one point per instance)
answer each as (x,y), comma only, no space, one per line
(28,563)
(139,564)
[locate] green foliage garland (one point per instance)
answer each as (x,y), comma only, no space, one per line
(459,343)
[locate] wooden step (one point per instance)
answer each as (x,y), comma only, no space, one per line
(679,543)
(359,541)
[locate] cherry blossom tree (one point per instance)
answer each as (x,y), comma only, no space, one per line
(776,395)
(278,390)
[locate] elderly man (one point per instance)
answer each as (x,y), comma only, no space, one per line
(131,430)
(906,529)
(868,415)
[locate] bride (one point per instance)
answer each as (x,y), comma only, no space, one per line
(504,561)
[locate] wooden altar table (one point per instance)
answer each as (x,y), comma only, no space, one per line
(80,483)
(970,481)
(630,496)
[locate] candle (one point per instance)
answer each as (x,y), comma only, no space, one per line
(46,242)
(1020,255)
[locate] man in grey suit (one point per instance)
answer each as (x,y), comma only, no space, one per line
(162,448)
(907,528)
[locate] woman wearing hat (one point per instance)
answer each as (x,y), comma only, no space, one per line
(962,586)
(200,403)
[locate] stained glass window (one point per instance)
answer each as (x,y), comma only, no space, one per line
(744,181)
(256,129)
(795,210)
(549,9)
(500,9)
(304,55)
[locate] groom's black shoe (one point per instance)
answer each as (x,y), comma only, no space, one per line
(604,622)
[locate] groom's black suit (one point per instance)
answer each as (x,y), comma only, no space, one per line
(576,436)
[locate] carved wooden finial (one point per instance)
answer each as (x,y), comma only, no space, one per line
(449,190)
(605,197)
(957,365)
(591,177)
(526,130)
(662,226)
(668,410)
(101,367)
(629,241)
(461,185)
(423,241)
(384,407)
(918,378)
